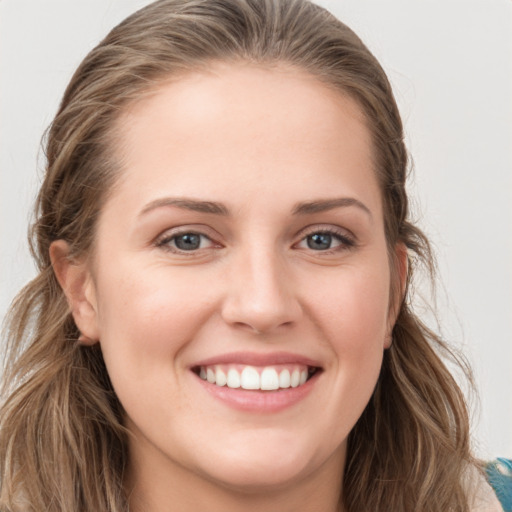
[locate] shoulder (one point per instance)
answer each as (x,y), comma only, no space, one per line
(499,476)
(491,487)
(485,499)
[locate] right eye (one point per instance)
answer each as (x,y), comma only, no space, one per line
(185,242)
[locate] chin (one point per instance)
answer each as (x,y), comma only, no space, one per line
(249,478)
(270,464)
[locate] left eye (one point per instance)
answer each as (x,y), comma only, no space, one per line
(323,241)
(186,242)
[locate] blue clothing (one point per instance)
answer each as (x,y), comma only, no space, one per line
(499,475)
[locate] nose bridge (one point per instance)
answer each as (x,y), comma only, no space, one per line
(260,293)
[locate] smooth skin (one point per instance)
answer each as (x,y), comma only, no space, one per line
(292,257)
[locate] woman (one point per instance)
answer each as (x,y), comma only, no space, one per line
(221,320)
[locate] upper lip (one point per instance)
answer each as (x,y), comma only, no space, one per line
(258,359)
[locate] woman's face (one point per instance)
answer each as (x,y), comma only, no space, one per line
(243,246)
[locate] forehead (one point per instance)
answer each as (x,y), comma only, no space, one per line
(234,129)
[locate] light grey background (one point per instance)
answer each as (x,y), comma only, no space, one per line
(450,62)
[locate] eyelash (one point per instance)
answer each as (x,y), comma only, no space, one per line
(347,242)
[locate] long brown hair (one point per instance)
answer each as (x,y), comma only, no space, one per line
(62,441)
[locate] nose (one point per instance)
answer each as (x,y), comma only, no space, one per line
(261,294)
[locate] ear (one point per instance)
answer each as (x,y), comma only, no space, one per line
(76,281)
(399,276)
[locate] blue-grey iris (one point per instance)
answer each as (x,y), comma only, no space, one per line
(319,241)
(188,241)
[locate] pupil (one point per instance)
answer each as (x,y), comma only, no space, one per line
(319,241)
(188,242)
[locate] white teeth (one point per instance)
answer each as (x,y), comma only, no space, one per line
(295,379)
(269,379)
(220,376)
(284,379)
(233,379)
(250,378)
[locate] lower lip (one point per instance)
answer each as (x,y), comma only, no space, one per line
(260,401)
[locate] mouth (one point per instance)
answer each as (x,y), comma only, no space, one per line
(270,378)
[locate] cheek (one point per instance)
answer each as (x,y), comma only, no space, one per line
(352,312)
(349,308)
(147,316)
(146,319)
(352,306)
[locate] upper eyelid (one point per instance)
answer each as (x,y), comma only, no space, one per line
(183,230)
(327,228)
(170,236)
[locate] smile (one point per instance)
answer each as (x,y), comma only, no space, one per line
(267,378)
(258,383)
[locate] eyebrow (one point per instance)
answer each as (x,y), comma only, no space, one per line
(215,208)
(322,205)
(188,204)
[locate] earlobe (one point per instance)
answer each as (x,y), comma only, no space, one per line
(401,276)
(403,269)
(77,284)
